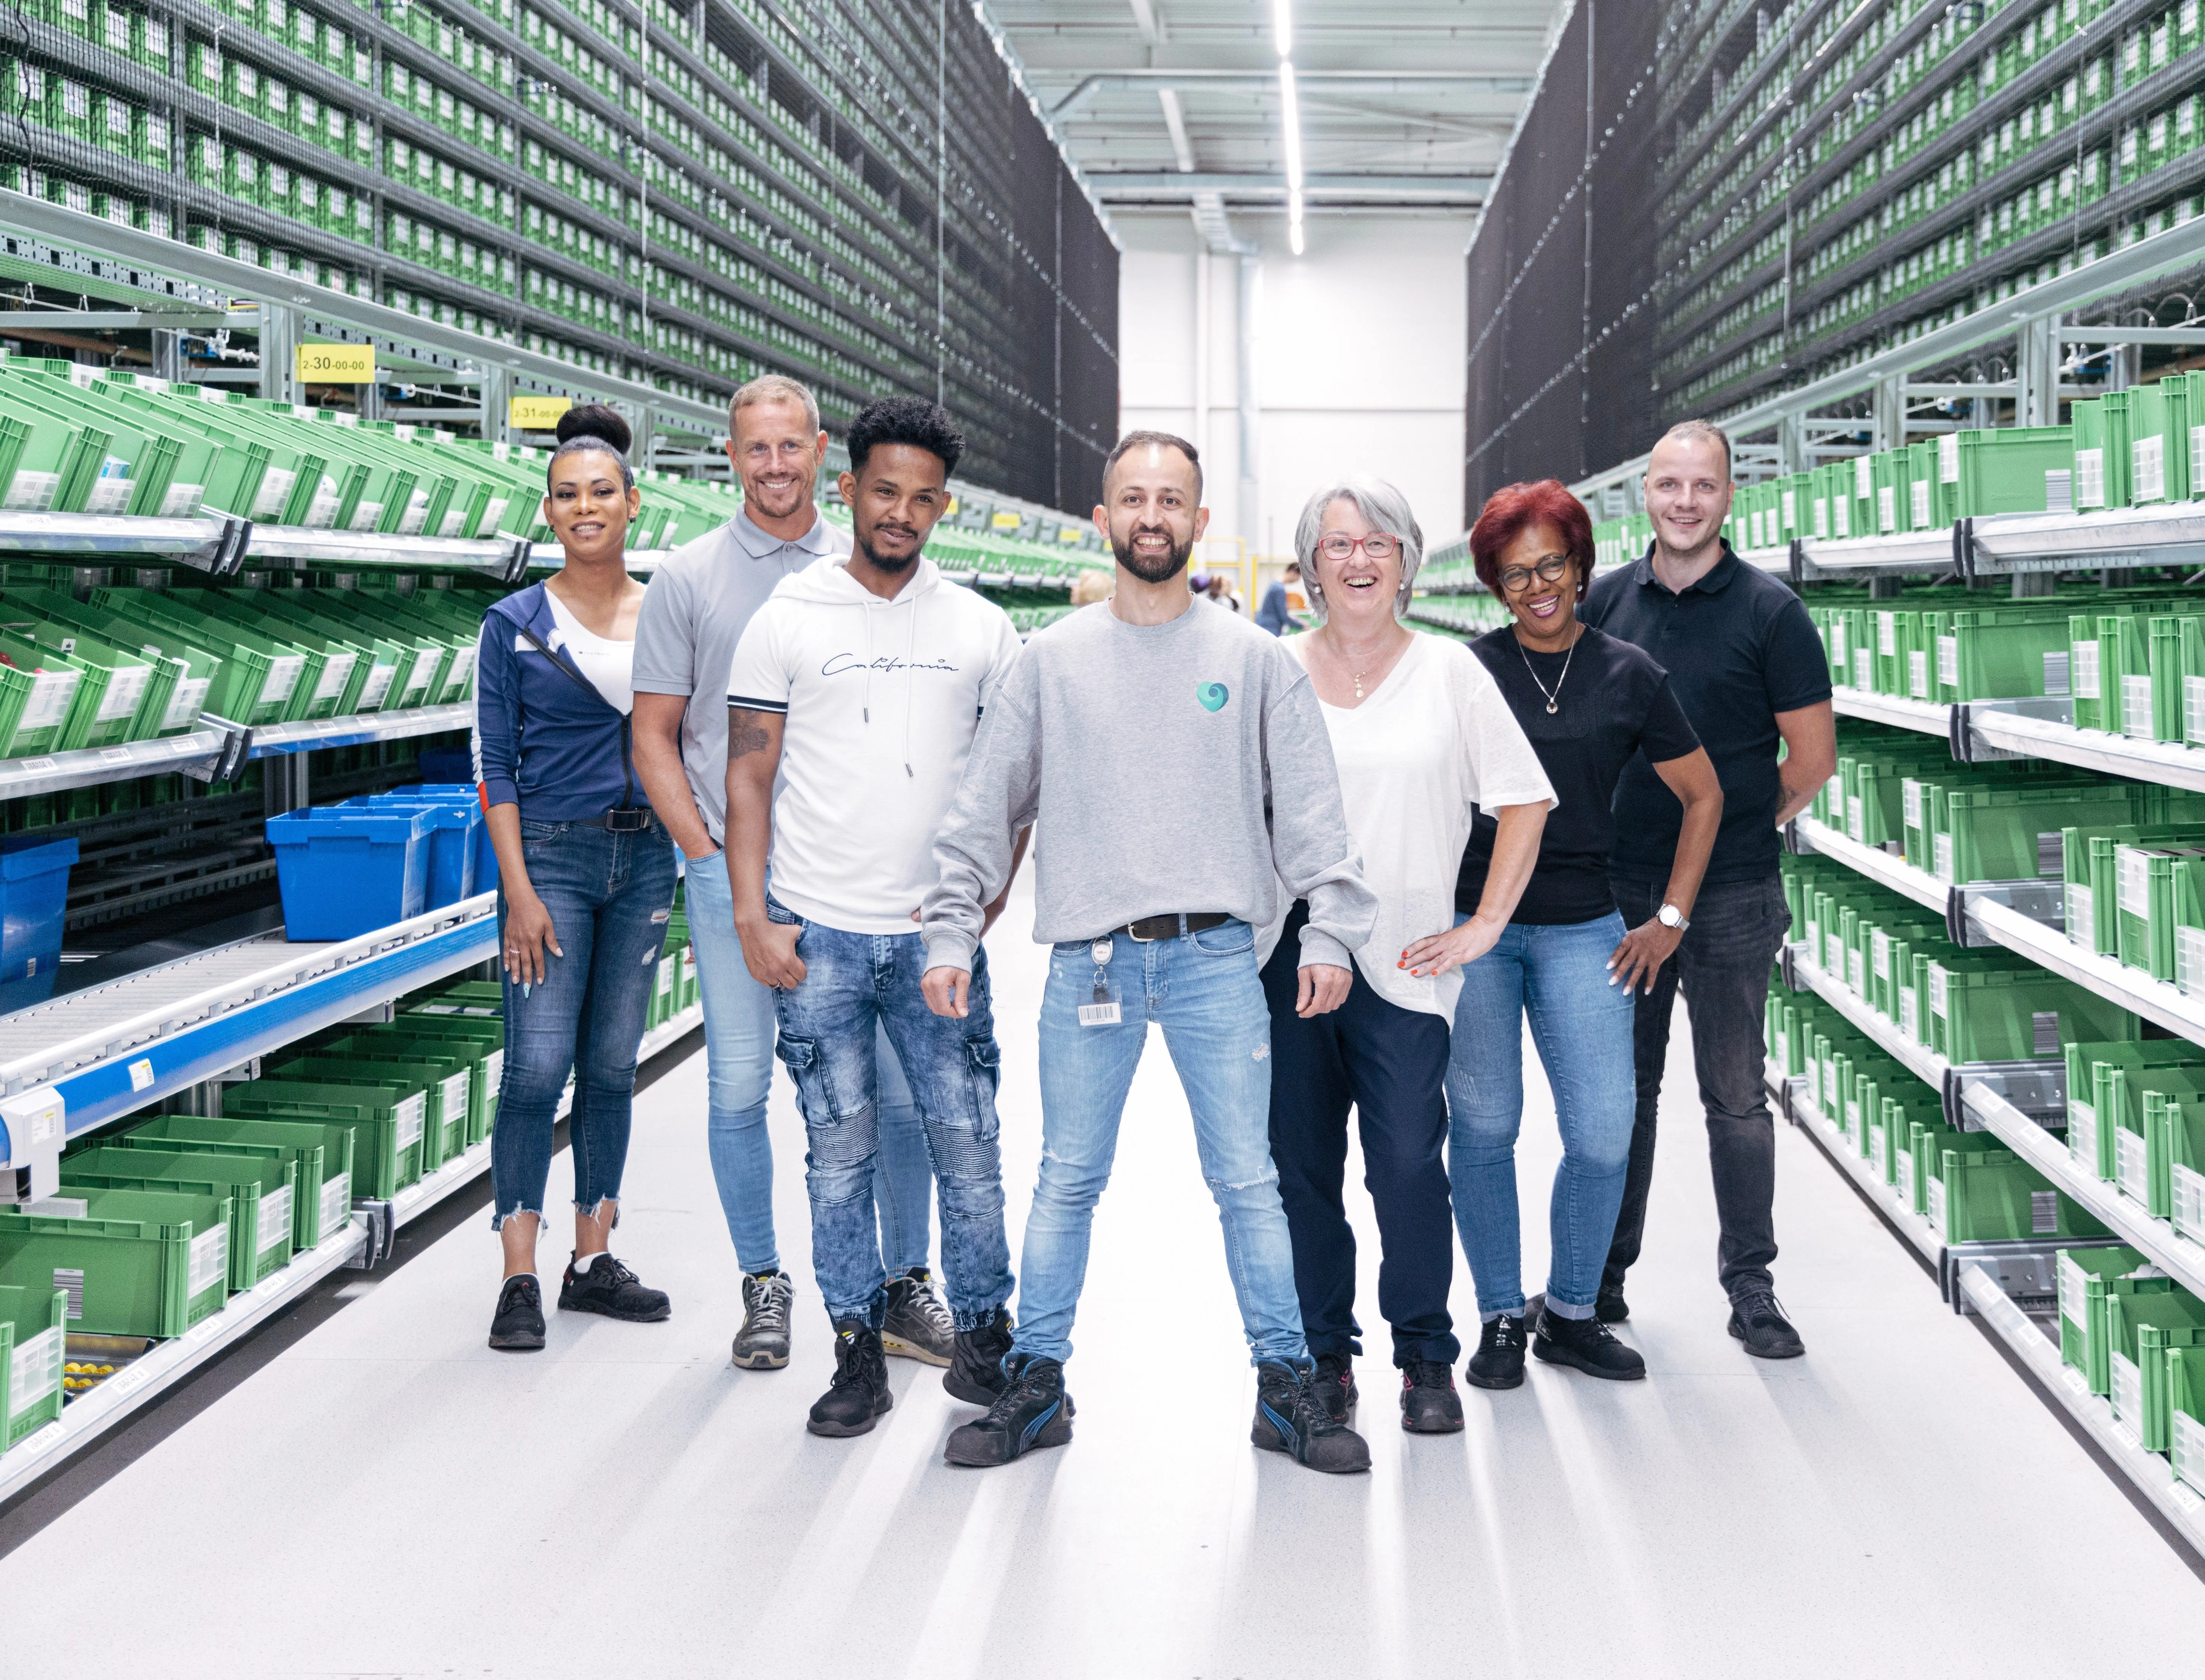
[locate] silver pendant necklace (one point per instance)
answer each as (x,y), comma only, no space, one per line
(1555,695)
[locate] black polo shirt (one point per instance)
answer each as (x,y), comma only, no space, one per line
(1738,648)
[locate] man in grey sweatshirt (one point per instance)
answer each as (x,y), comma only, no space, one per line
(1176,767)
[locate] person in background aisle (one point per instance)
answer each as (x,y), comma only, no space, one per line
(1220,591)
(699,601)
(1421,740)
(1275,614)
(1590,704)
(1746,664)
(1150,737)
(1092,585)
(858,686)
(585,880)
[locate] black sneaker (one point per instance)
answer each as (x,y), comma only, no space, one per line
(609,1287)
(1499,1361)
(1289,1419)
(1033,1410)
(1756,1320)
(917,1325)
(1333,1385)
(859,1393)
(1588,1344)
(1609,1306)
(762,1344)
(976,1374)
(517,1326)
(1430,1405)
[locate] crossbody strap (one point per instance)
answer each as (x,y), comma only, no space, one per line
(572,675)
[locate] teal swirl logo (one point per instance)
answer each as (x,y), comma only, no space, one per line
(1212,695)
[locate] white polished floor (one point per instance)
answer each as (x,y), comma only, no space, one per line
(388,1497)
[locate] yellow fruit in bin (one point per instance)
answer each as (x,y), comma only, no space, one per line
(107,1370)
(71,1368)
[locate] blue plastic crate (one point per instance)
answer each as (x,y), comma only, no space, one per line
(486,878)
(344,871)
(457,825)
(34,894)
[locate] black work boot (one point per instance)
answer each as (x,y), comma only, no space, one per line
(976,1374)
(916,1325)
(606,1286)
(1756,1320)
(1588,1344)
(1499,1361)
(1032,1411)
(1289,1419)
(1430,1405)
(518,1324)
(1334,1386)
(858,1395)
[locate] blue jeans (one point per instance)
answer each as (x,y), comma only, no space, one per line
(1203,990)
(854,986)
(610,896)
(1582,1024)
(739,1028)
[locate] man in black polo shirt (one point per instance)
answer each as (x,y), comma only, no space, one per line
(1746,664)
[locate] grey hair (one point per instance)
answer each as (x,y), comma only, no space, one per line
(1384,508)
(773,388)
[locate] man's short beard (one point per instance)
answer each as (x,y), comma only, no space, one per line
(1148,571)
(891,567)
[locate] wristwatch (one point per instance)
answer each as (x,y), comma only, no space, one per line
(1670,916)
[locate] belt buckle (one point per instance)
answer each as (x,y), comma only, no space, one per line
(1154,938)
(627,821)
(1139,938)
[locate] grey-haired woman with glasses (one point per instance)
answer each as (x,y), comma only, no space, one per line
(1421,739)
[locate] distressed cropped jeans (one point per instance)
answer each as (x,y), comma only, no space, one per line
(1203,990)
(855,986)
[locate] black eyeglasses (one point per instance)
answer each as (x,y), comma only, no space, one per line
(1550,570)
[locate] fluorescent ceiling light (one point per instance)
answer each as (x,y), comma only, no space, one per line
(1290,115)
(1282,25)
(1294,220)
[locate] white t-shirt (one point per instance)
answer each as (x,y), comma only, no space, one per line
(881,701)
(1433,739)
(609,665)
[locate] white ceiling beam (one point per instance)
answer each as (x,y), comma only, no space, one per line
(1145,19)
(1177,125)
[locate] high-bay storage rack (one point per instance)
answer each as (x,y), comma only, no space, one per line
(862,196)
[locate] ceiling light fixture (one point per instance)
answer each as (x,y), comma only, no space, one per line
(1290,116)
(1282,25)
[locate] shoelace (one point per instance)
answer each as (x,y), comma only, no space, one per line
(768,1306)
(516,1291)
(1429,1374)
(928,1305)
(1760,1304)
(611,1271)
(1008,1403)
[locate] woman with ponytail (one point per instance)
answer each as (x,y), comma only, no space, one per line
(585,880)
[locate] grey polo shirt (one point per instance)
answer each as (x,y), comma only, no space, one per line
(694,612)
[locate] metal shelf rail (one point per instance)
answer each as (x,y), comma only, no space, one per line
(361,1243)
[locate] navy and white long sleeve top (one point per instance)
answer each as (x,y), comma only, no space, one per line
(542,741)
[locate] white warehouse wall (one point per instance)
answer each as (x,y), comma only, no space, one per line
(1359,358)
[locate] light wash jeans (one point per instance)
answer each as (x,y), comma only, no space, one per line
(856,986)
(1203,990)
(739,1031)
(1582,1024)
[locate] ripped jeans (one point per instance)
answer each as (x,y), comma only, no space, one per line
(1203,990)
(855,986)
(610,896)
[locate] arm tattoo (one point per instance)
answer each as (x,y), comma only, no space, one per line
(745,735)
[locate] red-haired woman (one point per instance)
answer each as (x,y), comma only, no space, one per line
(1588,704)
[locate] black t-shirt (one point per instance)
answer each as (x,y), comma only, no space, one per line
(1738,648)
(1615,705)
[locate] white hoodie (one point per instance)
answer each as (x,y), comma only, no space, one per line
(881,700)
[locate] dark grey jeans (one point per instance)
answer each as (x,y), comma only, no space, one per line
(1723,966)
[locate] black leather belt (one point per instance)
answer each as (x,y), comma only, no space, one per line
(622,821)
(1150,928)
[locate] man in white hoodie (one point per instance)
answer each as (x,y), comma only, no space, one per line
(860,685)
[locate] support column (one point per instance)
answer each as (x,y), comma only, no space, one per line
(279,344)
(1890,419)
(168,354)
(2036,368)
(1250,510)
(496,403)
(1791,445)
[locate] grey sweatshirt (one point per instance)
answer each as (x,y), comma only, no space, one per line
(1173,766)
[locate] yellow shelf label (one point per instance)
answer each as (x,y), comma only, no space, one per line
(336,364)
(536,414)
(1006,520)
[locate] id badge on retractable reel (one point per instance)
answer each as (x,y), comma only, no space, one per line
(1102,1010)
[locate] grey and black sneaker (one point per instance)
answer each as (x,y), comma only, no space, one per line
(1032,1411)
(607,1287)
(918,1326)
(1588,1345)
(1756,1320)
(1430,1405)
(1499,1361)
(1290,1420)
(1334,1386)
(762,1344)
(518,1324)
(976,1374)
(859,1393)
